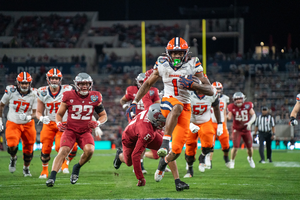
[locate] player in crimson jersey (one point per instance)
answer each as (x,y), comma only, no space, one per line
(243,117)
(21,100)
(150,98)
(80,104)
(141,133)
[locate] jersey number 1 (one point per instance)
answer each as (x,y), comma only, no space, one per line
(174,82)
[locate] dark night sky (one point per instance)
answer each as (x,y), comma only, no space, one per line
(264,18)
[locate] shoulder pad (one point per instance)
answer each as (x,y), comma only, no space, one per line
(10,89)
(162,59)
(42,88)
(67,87)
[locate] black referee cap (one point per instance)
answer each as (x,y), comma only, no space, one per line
(264,108)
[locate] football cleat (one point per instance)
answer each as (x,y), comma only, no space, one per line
(167,170)
(66,171)
(262,161)
(231,165)
(26,172)
(181,186)
(12,164)
(251,162)
(189,173)
(202,167)
(270,160)
(144,171)
(74,178)
(43,175)
(162,152)
(158,175)
(117,162)
(228,164)
(50,182)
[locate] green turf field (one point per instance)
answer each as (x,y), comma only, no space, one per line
(99,180)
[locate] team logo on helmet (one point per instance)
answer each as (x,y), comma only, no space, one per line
(94,98)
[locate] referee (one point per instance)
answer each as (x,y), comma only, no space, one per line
(265,125)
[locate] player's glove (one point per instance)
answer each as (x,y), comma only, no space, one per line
(220,129)
(93,124)
(194,128)
(45,119)
(248,126)
(293,121)
(24,117)
(141,182)
(186,81)
(1,124)
(131,111)
(98,132)
(61,126)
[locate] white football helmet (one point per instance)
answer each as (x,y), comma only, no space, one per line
(237,97)
(140,79)
(155,116)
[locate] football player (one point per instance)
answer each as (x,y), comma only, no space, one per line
(21,100)
(224,138)
(80,104)
(201,111)
(141,133)
(243,116)
(175,105)
(295,111)
(150,98)
(49,99)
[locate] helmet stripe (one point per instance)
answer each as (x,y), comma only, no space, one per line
(54,71)
(25,77)
(177,42)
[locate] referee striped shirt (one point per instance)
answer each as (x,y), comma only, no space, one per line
(265,123)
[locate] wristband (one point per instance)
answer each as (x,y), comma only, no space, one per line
(1,119)
(125,105)
(134,102)
(58,123)
(220,122)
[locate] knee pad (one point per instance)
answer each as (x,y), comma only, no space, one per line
(72,154)
(12,152)
(189,159)
(206,150)
(226,150)
(46,158)
(27,157)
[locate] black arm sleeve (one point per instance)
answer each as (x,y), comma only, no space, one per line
(99,109)
(215,103)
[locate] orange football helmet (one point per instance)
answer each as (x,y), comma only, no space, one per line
(54,73)
(219,87)
(24,77)
(178,44)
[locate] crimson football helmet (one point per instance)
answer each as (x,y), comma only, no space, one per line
(83,78)
(155,116)
(238,98)
(24,77)
(177,44)
(140,79)
(54,73)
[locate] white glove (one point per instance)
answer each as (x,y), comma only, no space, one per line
(98,132)
(248,126)
(194,128)
(24,117)
(220,129)
(1,124)
(45,119)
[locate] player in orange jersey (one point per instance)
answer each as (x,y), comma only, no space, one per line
(21,100)
(176,70)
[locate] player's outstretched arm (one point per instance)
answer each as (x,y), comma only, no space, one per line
(295,110)
(204,88)
(146,86)
(61,111)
